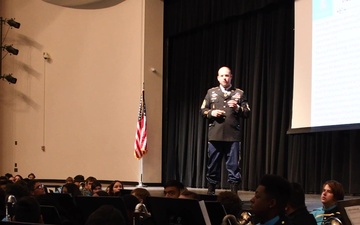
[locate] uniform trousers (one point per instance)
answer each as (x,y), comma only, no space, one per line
(216,151)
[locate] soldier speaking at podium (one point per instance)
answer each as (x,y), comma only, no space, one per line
(224,106)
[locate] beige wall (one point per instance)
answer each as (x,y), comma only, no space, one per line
(82,104)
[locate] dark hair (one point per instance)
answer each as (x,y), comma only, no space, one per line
(31,174)
(18,175)
(79,178)
(336,188)
(31,184)
(17,189)
(175,183)
(111,187)
(141,194)
(190,194)
(95,184)
(297,196)
(91,179)
(231,202)
(278,188)
(8,175)
(27,209)
(72,189)
(106,215)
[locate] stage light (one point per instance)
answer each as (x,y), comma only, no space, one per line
(13,23)
(11,49)
(9,78)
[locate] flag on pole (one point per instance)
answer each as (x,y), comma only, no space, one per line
(141,136)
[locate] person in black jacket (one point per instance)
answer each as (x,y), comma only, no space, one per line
(223,106)
(296,209)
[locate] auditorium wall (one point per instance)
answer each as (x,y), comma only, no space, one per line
(76,112)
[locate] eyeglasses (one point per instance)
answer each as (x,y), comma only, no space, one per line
(41,186)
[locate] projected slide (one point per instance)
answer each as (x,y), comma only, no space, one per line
(335,62)
(333,55)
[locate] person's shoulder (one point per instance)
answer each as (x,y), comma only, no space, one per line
(317,211)
(214,88)
(238,90)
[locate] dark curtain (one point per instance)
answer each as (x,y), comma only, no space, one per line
(255,39)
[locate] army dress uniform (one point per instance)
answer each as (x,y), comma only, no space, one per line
(224,134)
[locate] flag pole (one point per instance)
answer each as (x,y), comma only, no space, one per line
(140,183)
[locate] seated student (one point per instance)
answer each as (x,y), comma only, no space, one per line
(71,188)
(271,197)
(189,195)
(79,180)
(296,209)
(141,194)
(36,188)
(231,202)
(95,187)
(106,215)
(31,176)
(115,188)
(173,188)
(27,209)
(332,192)
(86,191)
(17,178)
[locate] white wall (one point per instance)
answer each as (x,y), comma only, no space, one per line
(82,104)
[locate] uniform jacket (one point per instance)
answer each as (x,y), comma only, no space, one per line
(226,127)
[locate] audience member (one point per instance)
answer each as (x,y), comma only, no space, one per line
(17,178)
(271,197)
(27,209)
(8,175)
(106,215)
(115,188)
(71,188)
(86,191)
(332,192)
(189,195)
(173,188)
(17,189)
(95,187)
(79,181)
(141,194)
(231,202)
(36,188)
(69,180)
(31,176)
(296,209)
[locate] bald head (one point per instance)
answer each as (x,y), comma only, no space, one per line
(224,76)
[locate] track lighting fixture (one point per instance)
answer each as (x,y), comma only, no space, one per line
(13,23)
(9,78)
(11,49)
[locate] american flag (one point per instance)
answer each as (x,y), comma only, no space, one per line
(141,136)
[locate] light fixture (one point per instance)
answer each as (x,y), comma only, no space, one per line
(11,49)
(9,78)
(13,23)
